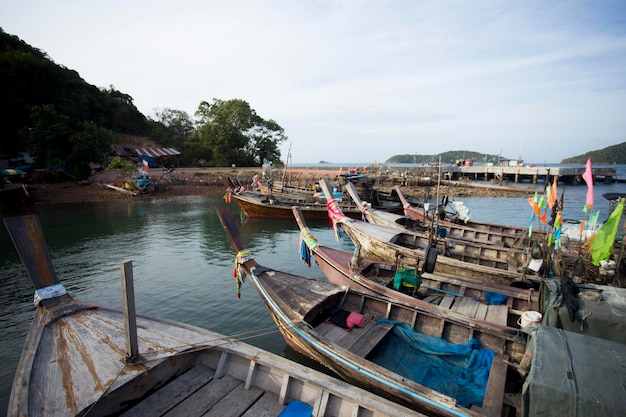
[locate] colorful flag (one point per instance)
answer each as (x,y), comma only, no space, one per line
(551,193)
(593,220)
(588,177)
(602,242)
(145,164)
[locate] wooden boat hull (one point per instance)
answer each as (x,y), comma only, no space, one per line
(301,306)
(259,206)
(386,244)
(456,294)
(294,323)
(418,213)
(75,362)
(458,257)
(460,295)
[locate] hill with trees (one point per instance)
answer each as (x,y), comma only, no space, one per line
(446,157)
(63,121)
(615,154)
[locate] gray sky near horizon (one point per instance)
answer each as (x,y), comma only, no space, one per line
(360,81)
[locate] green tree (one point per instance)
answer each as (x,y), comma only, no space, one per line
(234,134)
(266,137)
(54,142)
(171,128)
(49,136)
(89,145)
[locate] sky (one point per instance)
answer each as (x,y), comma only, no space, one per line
(360,81)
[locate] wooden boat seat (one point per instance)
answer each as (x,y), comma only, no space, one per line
(370,339)
(361,340)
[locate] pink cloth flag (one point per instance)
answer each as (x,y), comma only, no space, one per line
(588,177)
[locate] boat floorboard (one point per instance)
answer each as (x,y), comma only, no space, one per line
(472,308)
(198,393)
(360,340)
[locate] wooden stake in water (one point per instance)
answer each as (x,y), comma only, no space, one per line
(130,317)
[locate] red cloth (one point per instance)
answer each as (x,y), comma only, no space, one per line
(355,319)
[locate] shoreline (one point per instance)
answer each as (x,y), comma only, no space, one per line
(208,182)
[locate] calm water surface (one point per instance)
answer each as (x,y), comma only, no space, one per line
(183,263)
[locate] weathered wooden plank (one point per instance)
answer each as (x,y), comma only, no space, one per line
(481,313)
(267,406)
(235,403)
(340,336)
(447,301)
(323,328)
(433,299)
(494,396)
(468,307)
(173,393)
(497,314)
(369,341)
(206,397)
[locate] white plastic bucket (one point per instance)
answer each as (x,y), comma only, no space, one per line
(528,317)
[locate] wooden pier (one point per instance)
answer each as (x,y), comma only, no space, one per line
(569,175)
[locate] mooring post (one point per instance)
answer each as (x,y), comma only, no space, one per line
(130,318)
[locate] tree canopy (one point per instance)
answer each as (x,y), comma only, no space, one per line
(231,132)
(50,111)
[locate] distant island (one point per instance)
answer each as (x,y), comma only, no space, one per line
(615,154)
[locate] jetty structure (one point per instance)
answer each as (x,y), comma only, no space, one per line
(517,174)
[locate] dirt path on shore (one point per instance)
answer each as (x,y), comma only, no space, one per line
(208,182)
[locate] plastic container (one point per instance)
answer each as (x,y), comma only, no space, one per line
(529,317)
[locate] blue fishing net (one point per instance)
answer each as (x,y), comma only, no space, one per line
(495,298)
(460,371)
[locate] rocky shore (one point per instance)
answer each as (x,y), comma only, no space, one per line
(208,182)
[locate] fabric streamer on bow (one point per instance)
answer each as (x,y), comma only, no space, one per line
(307,243)
(227,195)
(335,215)
(242,257)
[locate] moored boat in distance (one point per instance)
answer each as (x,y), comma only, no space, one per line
(84,359)
(260,205)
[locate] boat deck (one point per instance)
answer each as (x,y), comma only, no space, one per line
(472,308)
(202,392)
(361,340)
(198,393)
(464,304)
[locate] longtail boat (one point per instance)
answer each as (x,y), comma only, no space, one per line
(484,262)
(261,205)
(418,213)
(423,224)
(495,303)
(83,359)
(370,341)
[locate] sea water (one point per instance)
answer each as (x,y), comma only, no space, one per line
(183,263)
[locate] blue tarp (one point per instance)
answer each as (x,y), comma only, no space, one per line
(460,371)
(152,162)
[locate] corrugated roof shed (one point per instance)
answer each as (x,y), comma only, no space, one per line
(157,152)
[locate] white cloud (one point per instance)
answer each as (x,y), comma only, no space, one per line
(361,81)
